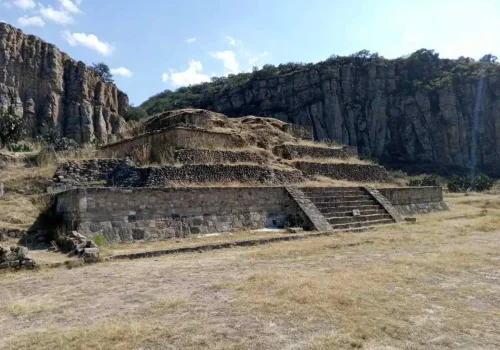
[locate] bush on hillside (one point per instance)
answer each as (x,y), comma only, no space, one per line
(12,128)
(52,139)
(135,114)
(479,183)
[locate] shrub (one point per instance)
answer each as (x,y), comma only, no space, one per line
(19,148)
(458,184)
(135,113)
(53,139)
(479,183)
(12,128)
(428,180)
(482,183)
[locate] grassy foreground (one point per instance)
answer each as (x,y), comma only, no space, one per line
(430,285)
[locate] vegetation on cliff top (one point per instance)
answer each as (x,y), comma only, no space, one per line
(421,70)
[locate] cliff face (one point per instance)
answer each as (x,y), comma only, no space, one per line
(48,89)
(441,113)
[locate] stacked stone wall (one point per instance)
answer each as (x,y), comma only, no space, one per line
(130,176)
(88,170)
(415,200)
(342,171)
(126,215)
(203,156)
(291,151)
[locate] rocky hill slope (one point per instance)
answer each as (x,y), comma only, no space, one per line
(50,90)
(420,110)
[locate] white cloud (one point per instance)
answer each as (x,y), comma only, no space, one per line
(255,58)
(57,16)
(88,40)
(25,4)
(191,40)
(229,59)
(190,76)
(70,6)
(124,72)
(34,21)
(231,40)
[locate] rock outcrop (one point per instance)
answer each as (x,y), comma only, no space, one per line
(49,90)
(434,111)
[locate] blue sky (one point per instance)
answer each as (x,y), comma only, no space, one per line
(154,45)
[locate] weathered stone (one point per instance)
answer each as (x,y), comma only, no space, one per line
(49,90)
(15,257)
(415,200)
(356,212)
(90,255)
(344,171)
(294,229)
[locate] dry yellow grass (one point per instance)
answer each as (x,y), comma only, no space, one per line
(24,189)
(429,285)
(323,144)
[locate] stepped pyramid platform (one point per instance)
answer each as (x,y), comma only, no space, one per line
(197,172)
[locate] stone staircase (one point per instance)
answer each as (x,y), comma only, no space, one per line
(337,205)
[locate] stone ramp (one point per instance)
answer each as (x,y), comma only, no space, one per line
(337,205)
(315,216)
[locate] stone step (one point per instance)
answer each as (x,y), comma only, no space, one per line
(343,198)
(336,194)
(357,203)
(342,212)
(315,190)
(350,208)
(361,224)
(354,219)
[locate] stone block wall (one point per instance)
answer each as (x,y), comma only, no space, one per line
(148,214)
(291,151)
(130,176)
(342,171)
(203,156)
(177,138)
(304,132)
(415,200)
(198,118)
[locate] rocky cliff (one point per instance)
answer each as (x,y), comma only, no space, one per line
(49,90)
(420,111)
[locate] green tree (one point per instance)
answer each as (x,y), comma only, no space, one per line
(103,70)
(12,128)
(489,58)
(135,113)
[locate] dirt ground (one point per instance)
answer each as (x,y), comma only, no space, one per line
(430,285)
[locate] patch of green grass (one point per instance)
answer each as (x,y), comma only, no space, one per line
(99,239)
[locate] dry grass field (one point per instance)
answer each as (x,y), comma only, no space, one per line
(430,285)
